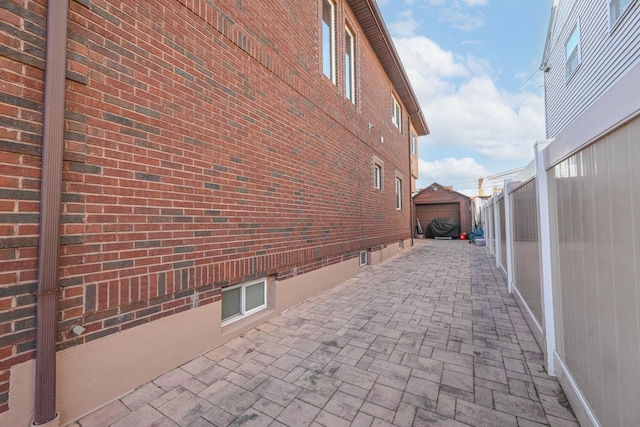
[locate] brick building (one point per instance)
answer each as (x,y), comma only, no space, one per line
(187,169)
(441,202)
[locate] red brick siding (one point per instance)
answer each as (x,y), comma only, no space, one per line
(203,147)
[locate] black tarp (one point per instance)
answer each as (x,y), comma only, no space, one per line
(443,228)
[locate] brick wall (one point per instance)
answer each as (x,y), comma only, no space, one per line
(203,147)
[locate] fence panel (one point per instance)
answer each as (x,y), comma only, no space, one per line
(503,234)
(596,265)
(526,251)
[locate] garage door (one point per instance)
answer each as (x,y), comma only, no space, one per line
(427,213)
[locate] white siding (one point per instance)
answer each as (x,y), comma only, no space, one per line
(606,55)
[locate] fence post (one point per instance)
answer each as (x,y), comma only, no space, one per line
(488,228)
(509,234)
(546,273)
(496,229)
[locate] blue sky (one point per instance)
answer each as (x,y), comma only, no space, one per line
(474,67)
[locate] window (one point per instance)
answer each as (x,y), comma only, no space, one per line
(616,9)
(242,300)
(398,193)
(363,258)
(377,176)
(572,52)
(328,39)
(396,113)
(350,69)
(414,143)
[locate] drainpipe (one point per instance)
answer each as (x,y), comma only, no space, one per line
(412,222)
(51,194)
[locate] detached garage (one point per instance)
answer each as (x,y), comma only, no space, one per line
(442,203)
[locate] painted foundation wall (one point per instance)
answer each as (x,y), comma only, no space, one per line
(94,374)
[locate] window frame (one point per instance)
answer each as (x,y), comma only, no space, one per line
(622,9)
(363,258)
(396,113)
(377,176)
(331,54)
(243,311)
(414,143)
(575,50)
(398,193)
(350,64)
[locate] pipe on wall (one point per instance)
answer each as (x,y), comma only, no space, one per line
(50,202)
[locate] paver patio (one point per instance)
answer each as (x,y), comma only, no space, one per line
(428,338)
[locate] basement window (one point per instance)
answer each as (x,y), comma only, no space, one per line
(363,258)
(243,300)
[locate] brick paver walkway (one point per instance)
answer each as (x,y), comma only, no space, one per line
(430,337)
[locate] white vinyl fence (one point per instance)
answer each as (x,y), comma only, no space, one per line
(566,234)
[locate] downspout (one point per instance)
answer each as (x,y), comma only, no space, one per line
(51,195)
(412,222)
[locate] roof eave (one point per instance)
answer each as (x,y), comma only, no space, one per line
(372,23)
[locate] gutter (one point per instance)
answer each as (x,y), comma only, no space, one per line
(51,195)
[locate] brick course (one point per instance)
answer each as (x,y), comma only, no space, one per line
(203,148)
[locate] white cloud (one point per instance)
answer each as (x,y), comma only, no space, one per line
(465,108)
(475,2)
(405,25)
(431,69)
(479,117)
(460,173)
(461,20)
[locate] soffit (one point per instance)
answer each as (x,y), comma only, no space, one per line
(370,19)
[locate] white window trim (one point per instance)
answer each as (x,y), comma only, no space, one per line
(569,74)
(332,41)
(396,113)
(377,177)
(363,258)
(398,193)
(414,143)
(623,11)
(350,68)
(243,314)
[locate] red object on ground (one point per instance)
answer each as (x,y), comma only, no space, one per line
(462,236)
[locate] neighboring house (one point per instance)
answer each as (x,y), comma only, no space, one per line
(489,185)
(590,46)
(441,202)
(220,162)
(592,79)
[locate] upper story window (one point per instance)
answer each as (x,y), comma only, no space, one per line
(398,193)
(414,143)
(350,65)
(328,39)
(396,113)
(572,52)
(377,176)
(616,9)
